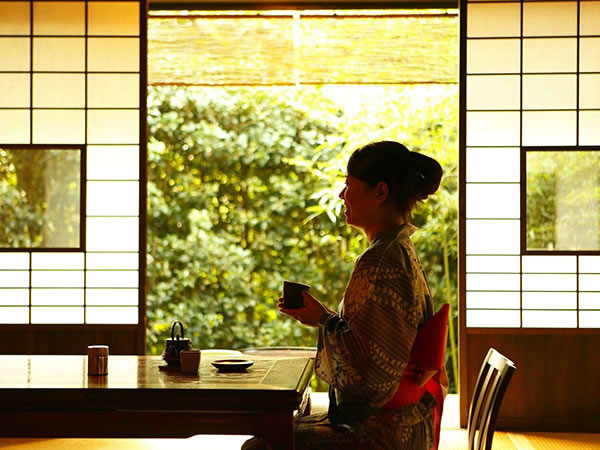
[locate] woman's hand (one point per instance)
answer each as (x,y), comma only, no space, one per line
(309,314)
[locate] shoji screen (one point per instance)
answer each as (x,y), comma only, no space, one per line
(72,77)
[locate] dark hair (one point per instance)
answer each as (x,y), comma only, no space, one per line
(410,176)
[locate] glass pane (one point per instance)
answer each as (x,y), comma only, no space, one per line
(15,18)
(493,237)
(58,278)
(494,56)
(549,319)
(112,278)
(590,18)
(114,297)
(493,92)
(44,213)
(493,164)
(589,300)
(115,162)
(114,18)
(57,297)
(112,261)
(563,200)
(15,54)
(494,300)
(589,282)
(14,278)
(549,300)
(56,261)
(113,198)
(589,91)
(113,126)
(549,282)
(589,128)
(107,315)
(536,89)
(550,55)
(549,128)
(589,319)
(64,314)
(14,315)
(58,126)
(589,55)
(493,318)
(58,90)
(113,91)
(15,126)
(493,282)
(493,128)
(549,264)
(59,54)
(112,234)
(589,264)
(494,264)
(63,18)
(493,201)
(493,20)
(550,18)
(14,297)
(15,90)
(113,54)
(14,261)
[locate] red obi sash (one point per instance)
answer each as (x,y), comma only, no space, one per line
(428,354)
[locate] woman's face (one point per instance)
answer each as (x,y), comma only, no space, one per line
(360,202)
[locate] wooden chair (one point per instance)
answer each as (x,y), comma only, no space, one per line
(494,376)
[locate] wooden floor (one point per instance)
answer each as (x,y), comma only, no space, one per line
(452,437)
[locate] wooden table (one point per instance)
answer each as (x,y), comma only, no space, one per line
(52,396)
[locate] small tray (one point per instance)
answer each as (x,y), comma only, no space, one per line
(232,364)
(166,368)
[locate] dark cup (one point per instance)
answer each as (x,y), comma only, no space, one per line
(292,294)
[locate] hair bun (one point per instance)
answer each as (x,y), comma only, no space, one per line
(428,176)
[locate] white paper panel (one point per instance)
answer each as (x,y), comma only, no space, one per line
(114,55)
(549,300)
(550,18)
(15,90)
(493,56)
(62,278)
(107,315)
(62,314)
(589,55)
(549,128)
(493,128)
(589,91)
(493,318)
(62,18)
(59,54)
(14,261)
(490,92)
(112,261)
(113,198)
(589,128)
(10,314)
(15,18)
(113,91)
(549,264)
(493,164)
(589,18)
(493,264)
(549,282)
(549,55)
(115,162)
(65,90)
(589,282)
(493,282)
(15,54)
(493,20)
(56,297)
(494,300)
(72,261)
(112,278)
(14,297)
(114,297)
(589,319)
(114,18)
(536,89)
(112,234)
(589,300)
(487,237)
(549,319)
(15,125)
(589,264)
(113,126)
(14,278)
(493,201)
(58,126)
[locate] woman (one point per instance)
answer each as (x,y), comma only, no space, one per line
(364,348)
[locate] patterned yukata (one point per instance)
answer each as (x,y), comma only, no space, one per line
(363,351)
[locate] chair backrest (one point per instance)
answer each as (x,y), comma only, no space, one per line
(494,376)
